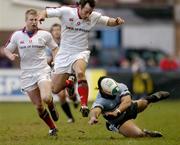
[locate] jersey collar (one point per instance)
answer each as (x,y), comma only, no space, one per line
(78,13)
(30,34)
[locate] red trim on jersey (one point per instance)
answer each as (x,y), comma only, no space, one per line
(78,13)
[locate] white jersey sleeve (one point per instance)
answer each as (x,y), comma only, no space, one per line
(50,41)
(55,12)
(12,43)
(99,19)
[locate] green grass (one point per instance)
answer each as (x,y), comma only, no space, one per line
(20,125)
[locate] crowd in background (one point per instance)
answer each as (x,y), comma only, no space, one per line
(129,60)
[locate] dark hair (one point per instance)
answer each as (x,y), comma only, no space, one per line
(92,3)
(55,25)
(104,95)
(99,82)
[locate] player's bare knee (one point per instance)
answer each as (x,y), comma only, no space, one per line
(46,99)
(142,103)
(55,90)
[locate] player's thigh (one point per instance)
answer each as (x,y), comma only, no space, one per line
(80,67)
(141,105)
(59,82)
(45,88)
(35,96)
(130,129)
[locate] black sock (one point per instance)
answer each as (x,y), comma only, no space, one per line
(150,98)
(67,110)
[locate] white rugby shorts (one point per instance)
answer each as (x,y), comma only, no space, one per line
(64,61)
(31,78)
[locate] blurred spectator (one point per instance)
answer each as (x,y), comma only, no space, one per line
(169,63)
(138,64)
(125,63)
(150,63)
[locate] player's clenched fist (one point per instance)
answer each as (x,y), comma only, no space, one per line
(13,56)
(119,21)
(41,16)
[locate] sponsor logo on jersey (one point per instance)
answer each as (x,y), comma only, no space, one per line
(78,23)
(71,19)
(21,42)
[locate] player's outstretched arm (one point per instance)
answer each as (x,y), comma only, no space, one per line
(115,21)
(94,114)
(42,15)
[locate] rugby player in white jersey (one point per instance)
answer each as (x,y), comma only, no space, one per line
(73,54)
(35,72)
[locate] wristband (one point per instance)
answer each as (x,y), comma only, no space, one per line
(118,111)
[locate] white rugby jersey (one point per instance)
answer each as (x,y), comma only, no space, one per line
(31,49)
(74,30)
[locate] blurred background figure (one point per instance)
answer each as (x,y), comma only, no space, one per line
(69,93)
(55,30)
(169,63)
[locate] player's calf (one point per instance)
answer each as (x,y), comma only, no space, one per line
(53,111)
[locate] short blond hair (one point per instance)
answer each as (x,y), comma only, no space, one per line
(30,12)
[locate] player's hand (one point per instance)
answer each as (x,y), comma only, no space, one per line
(41,16)
(93,120)
(41,19)
(119,21)
(13,56)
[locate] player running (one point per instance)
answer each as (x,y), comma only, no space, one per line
(35,72)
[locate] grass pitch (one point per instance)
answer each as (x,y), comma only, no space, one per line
(20,125)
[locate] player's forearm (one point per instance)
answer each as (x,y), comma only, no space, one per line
(42,15)
(8,53)
(125,103)
(95,113)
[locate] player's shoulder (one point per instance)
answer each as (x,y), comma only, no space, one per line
(68,7)
(122,86)
(96,13)
(17,33)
